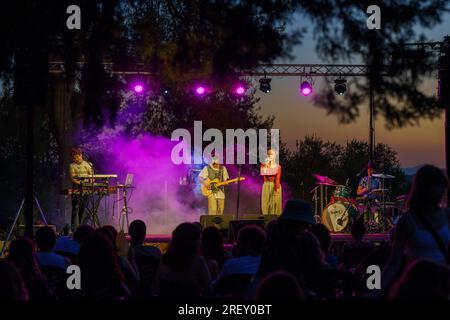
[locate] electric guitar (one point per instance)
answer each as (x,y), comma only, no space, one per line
(215,184)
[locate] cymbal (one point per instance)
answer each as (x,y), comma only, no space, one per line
(326,184)
(379,190)
(324,180)
(383,176)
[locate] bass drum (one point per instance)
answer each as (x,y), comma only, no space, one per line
(336,216)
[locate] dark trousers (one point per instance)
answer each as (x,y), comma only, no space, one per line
(78,210)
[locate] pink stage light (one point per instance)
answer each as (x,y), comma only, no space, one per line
(240,90)
(200,90)
(138,88)
(306,88)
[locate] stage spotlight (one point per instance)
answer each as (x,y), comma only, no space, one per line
(264,85)
(305,88)
(340,86)
(138,87)
(200,90)
(166,92)
(239,90)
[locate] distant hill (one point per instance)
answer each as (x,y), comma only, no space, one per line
(411,171)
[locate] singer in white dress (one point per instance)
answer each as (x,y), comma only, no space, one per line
(271,195)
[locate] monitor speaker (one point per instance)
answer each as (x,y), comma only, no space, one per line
(221,222)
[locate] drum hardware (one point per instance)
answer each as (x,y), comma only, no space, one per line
(123,216)
(320,196)
(341,210)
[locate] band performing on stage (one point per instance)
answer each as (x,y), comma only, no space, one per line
(334,205)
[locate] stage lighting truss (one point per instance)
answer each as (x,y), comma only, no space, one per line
(263,70)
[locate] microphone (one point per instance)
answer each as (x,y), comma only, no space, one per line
(86,158)
(91,165)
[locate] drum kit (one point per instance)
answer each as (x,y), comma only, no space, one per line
(337,210)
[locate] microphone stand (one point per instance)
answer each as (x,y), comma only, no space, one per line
(238,192)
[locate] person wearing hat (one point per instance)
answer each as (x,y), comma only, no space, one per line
(298,214)
(216,200)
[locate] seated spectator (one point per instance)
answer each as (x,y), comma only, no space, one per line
(280,285)
(126,260)
(137,232)
(358,230)
(21,254)
(355,251)
(147,258)
(281,250)
(312,262)
(379,256)
(213,250)
(183,273)
(102,277)
(323,235)
(422,280)
(109,232)
(46,241)
(212,247)
(82,232)
(423,232)
(67,247)
(12,286)
(249,246)
(198,224)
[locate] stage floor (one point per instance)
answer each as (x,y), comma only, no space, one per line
(373,237)
(337,240)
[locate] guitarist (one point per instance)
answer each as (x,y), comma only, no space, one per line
(216,200)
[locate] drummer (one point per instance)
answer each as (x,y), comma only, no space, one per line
(368,183)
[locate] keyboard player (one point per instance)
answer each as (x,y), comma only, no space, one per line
(78,167)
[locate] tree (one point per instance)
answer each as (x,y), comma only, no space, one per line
(311,156)
(181,42)
(395,71)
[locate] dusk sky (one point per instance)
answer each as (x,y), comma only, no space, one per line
(296,116)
